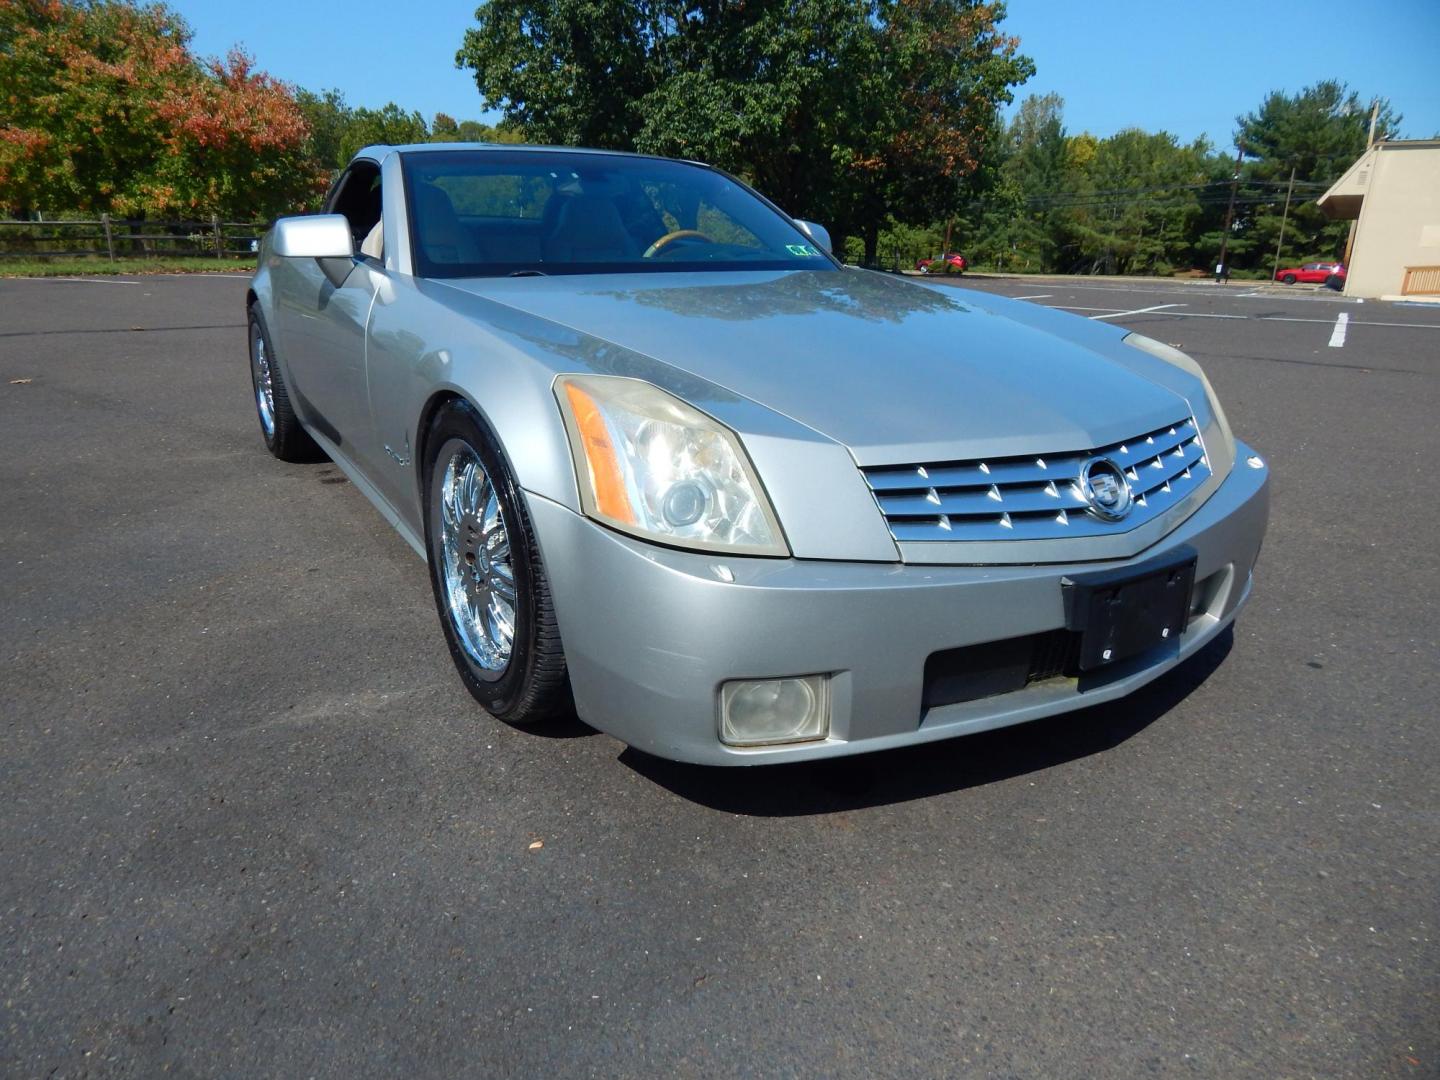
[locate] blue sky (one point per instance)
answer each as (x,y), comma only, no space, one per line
(1187,68)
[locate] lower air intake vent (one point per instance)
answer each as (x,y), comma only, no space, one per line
(999,667)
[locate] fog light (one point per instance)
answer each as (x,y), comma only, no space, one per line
(758,712)
(1255,461)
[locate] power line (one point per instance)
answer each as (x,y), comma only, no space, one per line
(1178,200)
(1054,197)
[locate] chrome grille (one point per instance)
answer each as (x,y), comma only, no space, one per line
(1036,498)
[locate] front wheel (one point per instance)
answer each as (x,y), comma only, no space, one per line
(490,588)
(1288,279)
(280,427)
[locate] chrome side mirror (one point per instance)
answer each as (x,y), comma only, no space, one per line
(818,233)
(323,237)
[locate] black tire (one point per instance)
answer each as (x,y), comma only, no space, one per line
(534,685)
(283,435)
(1288,279)
(1336,282)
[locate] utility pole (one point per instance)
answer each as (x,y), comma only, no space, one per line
(1223,268)
(1283,219)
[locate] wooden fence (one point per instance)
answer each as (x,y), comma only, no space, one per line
(113,238)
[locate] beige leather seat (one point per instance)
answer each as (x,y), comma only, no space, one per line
(374,243)
(442,237)
(587,228)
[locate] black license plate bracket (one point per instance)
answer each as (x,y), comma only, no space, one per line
(1122,613)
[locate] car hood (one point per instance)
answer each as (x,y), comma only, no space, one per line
(896,371)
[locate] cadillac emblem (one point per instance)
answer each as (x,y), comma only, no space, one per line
(1105,490)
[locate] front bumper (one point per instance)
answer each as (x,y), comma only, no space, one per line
(650,633)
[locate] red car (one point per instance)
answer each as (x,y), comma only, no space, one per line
(1318,273)
(949,263)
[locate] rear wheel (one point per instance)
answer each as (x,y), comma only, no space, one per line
(1288,279)
(491,592)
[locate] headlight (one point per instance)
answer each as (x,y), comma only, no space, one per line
(650,465)
(1222,456)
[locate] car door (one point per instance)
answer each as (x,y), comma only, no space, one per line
(322,324)
(446,219)
(395,353)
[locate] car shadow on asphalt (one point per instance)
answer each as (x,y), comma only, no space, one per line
(918,772)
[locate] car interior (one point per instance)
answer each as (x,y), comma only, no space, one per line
(596,223)
(358,198)
(542,218)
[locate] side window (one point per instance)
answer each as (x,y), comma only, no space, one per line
(358,197)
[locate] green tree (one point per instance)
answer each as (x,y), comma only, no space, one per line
(327,117)
(1318,132)
(1137,203)
(338,130)
(390,125)
(1143,202)
(848,111)
(1036,168)
(445,128)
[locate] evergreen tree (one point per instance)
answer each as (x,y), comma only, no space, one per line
(1318,132)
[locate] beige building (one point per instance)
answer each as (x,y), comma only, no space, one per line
(1393,194)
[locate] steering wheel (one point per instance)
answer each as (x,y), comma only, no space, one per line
(670,237)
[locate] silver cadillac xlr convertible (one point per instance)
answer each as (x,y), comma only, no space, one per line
(675,467)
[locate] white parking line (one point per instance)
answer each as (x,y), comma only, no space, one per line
(1203,315)
(84,280)
(1137,311)
(1037,296)
(1337,336)
(1358,322)
(1178,289)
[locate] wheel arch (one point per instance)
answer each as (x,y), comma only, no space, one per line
(437,401)
(520,416)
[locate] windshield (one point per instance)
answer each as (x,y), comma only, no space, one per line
(495,212)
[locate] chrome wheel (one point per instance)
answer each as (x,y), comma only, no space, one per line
(264,391)
(478,576)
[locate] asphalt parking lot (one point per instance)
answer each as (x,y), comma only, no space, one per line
(251,823)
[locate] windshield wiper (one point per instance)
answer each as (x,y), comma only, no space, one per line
(527,273)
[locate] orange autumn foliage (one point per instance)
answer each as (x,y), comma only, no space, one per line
(105,108)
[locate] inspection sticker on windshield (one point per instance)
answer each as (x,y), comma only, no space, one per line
(802,249)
